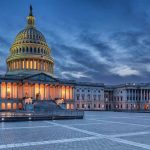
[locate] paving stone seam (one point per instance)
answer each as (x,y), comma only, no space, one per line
(118,140)
(47,142)
(117,122)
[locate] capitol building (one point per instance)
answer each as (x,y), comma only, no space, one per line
(30,77)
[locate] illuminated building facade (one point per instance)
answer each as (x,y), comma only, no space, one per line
(30,72)
(30,77)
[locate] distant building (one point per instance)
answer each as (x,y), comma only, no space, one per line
(30,77)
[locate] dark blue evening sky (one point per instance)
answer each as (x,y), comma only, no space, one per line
(92,40)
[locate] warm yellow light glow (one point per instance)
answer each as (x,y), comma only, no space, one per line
(8,105)
(37,92)
(34,64)
(27,64)
(42,91)
(71,92)
(20,106)
(30,64)
(14,65)
(20,91)
(3,106)
(19,64)
(67,92)
(69,106)
(23,64)
(14,90)
(43,65)
(8,90)
(38,65)
(26,90)
(14,106)
(3,89)
(63,92)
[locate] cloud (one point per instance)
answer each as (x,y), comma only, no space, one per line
(74,74)
(124,71)
(97,41)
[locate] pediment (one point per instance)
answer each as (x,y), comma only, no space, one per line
(41,77)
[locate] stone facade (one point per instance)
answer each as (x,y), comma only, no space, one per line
(125,97)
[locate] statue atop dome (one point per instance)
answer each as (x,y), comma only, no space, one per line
(30,18)
(30,14)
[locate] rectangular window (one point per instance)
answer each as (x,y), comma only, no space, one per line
(78,97)
(88,96)
(99,97)
(82,105)
(83,97)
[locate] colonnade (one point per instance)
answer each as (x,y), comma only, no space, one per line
(30,64)
(39,91)
(138,94)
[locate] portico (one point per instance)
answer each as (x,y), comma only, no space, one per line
(36,87)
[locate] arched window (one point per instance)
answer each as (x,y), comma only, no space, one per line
(17,50)
(27,50)
(42,51)
(38,50)
(34,50)
(23,49)
(20,50)
(30,49)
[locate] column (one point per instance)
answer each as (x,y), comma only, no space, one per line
(48,67)
(17,90)
(54,92)
(144,94)
(11,90)
(140,94)
(65,92)
(147,94)
(0,90)
(39,65)
(36,64)
(69,92)
(32,64)
(39,92)
(73,97)
(6,91)
(25,64)
(48,92)
(34,94)
(20,64)
(56,89)
(44,91)
(61,91)
(42,65)
(22,91)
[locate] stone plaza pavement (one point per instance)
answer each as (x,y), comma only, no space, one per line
(97,131)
